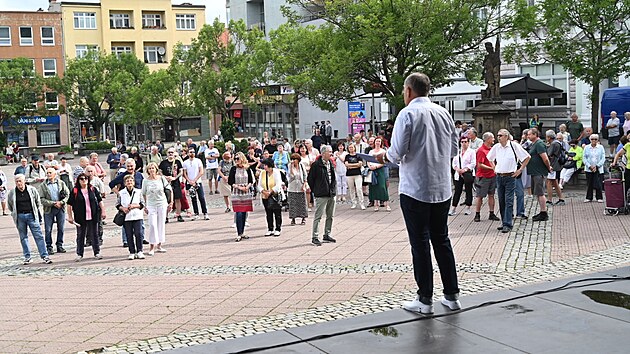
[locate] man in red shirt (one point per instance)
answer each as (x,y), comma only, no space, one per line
(485,181)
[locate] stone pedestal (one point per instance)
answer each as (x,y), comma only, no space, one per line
(490,116)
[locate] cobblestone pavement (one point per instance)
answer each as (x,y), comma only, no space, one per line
(209,288)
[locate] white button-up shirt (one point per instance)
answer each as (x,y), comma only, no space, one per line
(506,157)
(424,141)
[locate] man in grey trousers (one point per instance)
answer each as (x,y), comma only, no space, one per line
(323,182)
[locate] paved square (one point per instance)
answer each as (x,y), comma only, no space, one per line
(208,287)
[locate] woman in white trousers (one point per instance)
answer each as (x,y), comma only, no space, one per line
(157,207)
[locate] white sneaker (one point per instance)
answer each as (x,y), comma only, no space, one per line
(362,207)
(233,225)
(467,211)
(196,217)
(453,305)
(600,200)
(247,224)
(276,233)
(98,256)
(452,213)
(416,305)
(78,258)
(140,255)
(27,260)
(354,206)
(268,233)
(206,217)
(587,200)
(310,210)
(161,250)
(131,257)
(151,253)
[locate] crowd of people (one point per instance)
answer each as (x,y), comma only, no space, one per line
(167,184)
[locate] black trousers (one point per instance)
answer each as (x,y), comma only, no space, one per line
(133,230)
(593,181)
(271,215)
(88,229)
(428,222)
(459,185)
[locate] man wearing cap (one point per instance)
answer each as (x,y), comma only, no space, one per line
(54,195)
(35,173)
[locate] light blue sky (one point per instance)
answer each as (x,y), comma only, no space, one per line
(214,8)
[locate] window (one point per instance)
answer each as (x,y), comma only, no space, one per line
(5,36)
(48,36)
(185,22)
(119,21)
(152,55)
(52,101)
(50,67)
(26,36)
(81,50)
(31,101)
(551,74)
(118,50)
(151,21)
(85,20)
(48,134)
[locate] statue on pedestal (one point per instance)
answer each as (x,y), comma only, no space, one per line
(492,72)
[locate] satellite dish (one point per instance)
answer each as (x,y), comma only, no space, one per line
(161,50)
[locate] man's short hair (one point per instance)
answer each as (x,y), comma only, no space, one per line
(550,134)
(325,148)
(472,130)
(418,83)
(20,176)
(487,135)
(534,131)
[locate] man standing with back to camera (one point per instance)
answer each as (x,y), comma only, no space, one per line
(424,141)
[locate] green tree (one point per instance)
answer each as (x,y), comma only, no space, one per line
(228,66)
(381,42)
(97,86)
(165,93)
(589,38)
(304,58)
(20,89)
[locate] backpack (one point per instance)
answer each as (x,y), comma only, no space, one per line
(562,157)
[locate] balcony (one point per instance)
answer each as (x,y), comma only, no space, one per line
(157,27)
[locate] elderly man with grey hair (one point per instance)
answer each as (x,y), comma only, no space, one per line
(510,159)
(555,150)
(486,179)
(27,212)
(474,141)
(323,182)
(83,163)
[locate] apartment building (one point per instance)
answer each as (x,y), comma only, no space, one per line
(149,29)
(36,35)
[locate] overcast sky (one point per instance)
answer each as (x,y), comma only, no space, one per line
(214,8)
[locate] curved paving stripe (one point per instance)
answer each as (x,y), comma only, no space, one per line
(15,270)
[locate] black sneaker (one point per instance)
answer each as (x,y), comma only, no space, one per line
(541,217)
(166,222)
(180,219)
(60,249)
(50,250)
(500,228)
(477,218)
(493,217)
(561,202)
(125,245)
(316,242)
(145,242)
(329,239)
(47,260)
(506,229)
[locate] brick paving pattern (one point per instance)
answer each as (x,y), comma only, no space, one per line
(209,288)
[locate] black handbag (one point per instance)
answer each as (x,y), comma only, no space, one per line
(119,218)
(275,200)
(467,176)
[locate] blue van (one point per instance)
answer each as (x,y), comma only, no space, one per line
(615,99)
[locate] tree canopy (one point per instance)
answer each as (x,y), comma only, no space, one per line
(589,38)
(97,86)
(381,42)
(21,89)
(228,66)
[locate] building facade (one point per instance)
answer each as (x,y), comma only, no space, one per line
(149,29)
(36,35)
